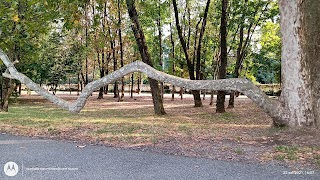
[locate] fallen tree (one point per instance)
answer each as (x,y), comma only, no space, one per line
(272,107)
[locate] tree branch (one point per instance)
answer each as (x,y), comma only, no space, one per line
(272,107)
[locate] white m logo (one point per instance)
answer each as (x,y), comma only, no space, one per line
(11,169)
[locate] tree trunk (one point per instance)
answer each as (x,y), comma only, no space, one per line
(78,86)
(115,67)
(86,81)
(132,84)
(237,67)
(223,54)
(121,50)
(100,96)
(8,87)
(160,43)
(211,98)
(196,93)
(181,88)
(300,31)
(141,42)
(1,89)
(173,60)
(243,45)
(139,83)
(203,28)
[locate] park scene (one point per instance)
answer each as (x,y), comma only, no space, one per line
(231,81)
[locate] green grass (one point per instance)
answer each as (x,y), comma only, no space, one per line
(287,152)
(239,151)
(112,125)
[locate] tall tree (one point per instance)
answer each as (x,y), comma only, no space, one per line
(143,48)
(223,56)
(121,49)
(248,23)
(203,28)
(300,31)
(190,64)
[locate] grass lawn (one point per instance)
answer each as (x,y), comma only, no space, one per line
(240,134)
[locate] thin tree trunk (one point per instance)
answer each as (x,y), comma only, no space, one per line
(203,28)
(1,89)
(87,39)
(138,83)
(70,86)
(223,60)
(160,44)
(196,93)
(237,67)
(132,84)
(100,96)
(173,60)
(211,98)
(243,45)
(115,67)
(181,88)
(141,42)
(121,50)
(78,87)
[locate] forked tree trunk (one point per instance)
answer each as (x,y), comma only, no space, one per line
(196,93)
(300,31)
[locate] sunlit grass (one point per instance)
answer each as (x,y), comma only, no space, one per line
(115,122)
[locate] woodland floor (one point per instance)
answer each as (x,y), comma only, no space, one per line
(241,134)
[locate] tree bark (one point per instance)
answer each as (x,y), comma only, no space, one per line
(132,84)
(121,50)
(224,56)
(160,43)
(101,66)
(139,83)
(141,42)
(300,31)
(8,87)
(115,67)
(173,60)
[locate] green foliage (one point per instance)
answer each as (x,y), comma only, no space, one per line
(52,39)
(266,65)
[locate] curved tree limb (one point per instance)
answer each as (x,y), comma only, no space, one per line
(272,107)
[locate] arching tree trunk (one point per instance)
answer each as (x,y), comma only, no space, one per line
(300,98)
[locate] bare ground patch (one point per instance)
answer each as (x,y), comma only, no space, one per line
(241,134)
